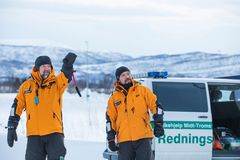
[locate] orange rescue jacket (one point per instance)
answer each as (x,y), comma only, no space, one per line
(44,116)
(129,112)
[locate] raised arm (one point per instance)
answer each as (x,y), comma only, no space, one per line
(67,69)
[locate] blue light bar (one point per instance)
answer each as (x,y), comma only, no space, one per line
(163,74)
(154,74)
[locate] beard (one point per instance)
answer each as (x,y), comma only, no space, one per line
(45,74)
(128,83)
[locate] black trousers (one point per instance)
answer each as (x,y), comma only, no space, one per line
(135,150)
(50,146)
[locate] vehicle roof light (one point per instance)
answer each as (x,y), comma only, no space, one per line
(154,74)
(163,74)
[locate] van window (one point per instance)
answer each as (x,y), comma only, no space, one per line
(224,93)
(225,102)
(183,97)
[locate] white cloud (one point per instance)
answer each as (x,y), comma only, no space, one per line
(126,25)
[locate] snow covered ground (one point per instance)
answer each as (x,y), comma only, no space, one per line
(84,127)
(76,150)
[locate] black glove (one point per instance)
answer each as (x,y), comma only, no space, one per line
(158,125)
(158,131)
(12,126)
(111,140)
(69,58)
(112,145)
(67,67)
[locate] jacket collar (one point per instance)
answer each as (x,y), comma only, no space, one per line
(118,87)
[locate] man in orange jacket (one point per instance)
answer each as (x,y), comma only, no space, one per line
(128,118)
(41,97)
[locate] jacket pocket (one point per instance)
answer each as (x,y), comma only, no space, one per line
(55,116)
(117,126)
(143,121)
(28,118)
(29,123)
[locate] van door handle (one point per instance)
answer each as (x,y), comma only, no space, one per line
(202,116)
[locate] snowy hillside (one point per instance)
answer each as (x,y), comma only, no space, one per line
(195,64)
(28,54)
(18,60)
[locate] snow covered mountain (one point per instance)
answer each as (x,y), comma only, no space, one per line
(195,64)
(18,60)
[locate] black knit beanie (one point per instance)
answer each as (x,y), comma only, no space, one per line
(41,60)
(120,70)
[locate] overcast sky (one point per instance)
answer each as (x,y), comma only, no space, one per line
(133,27)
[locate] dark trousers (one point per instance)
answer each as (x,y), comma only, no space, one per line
(50,146)
(135,150)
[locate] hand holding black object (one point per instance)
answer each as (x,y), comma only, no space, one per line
(111,140)
(158,130)
(158,125)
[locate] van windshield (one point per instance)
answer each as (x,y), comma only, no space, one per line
(183,97)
